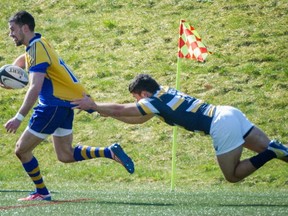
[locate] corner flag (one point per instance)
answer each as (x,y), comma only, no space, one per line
(189,44)
(190,47)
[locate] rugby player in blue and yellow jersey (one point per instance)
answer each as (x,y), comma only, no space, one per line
(54,85)
(228,126)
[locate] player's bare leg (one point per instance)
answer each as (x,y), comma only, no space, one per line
(24,147)
(258,141)
(233,169)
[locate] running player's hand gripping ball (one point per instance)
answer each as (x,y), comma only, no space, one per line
(13,77)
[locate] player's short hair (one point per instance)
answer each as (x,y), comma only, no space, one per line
(143,82)
(23,18)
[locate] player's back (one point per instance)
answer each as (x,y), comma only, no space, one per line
(60,84)
(177,108)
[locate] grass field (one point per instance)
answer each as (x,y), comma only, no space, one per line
(107,43)
(132,201)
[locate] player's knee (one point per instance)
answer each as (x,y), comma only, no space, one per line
(18,152)
(65,158)
(232,179)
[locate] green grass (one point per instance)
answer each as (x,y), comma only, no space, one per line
(131,201)
(107,43)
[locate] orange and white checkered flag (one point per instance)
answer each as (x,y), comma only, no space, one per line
(189,44)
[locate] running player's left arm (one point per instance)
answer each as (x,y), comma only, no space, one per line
(20,61)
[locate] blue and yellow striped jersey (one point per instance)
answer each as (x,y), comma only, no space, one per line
(177,108)
(60,84)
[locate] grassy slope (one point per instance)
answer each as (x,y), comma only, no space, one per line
(108,42)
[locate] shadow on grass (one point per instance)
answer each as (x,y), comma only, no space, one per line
(81,200)
(14,191)
(253,205)
(133,203)
(20,191)
(43,203)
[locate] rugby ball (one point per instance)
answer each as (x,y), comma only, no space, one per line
(14,77)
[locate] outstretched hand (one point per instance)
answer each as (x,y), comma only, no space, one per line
(85,103)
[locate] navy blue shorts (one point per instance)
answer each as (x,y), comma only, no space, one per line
(46,119)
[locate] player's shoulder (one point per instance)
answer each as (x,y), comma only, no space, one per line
(38,40)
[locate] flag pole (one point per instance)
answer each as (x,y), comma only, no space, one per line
(175,129)
(190,47)
(175,133)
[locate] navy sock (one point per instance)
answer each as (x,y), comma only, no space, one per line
(262,158)
(33,171)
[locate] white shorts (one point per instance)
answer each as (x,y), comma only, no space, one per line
(229,127)
(58,132)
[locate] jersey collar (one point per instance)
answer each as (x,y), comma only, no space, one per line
(37,37)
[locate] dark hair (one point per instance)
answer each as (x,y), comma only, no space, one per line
(143,82)
(23,18)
